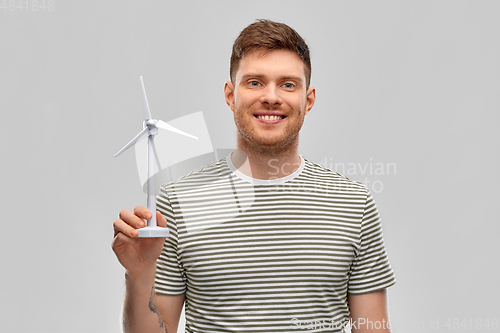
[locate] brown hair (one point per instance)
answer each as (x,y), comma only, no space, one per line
(267,35)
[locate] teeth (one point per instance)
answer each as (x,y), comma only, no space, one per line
(270,117)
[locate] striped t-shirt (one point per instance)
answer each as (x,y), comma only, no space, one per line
(269,255)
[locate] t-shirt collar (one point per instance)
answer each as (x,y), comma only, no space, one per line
(255,181)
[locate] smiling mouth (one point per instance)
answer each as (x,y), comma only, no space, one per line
(270,118)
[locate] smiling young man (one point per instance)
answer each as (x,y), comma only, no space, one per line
(262,240)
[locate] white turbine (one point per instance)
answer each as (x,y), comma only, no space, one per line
(150,128)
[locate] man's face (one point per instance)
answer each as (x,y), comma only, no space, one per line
(269,99)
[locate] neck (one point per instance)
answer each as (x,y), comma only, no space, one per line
(266,163)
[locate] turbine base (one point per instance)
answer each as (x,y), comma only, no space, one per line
(153,232)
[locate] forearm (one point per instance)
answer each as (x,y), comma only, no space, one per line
(140,312)
(369,312)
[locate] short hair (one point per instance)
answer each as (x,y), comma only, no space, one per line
(267,35)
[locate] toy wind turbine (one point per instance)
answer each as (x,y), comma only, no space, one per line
(150,128)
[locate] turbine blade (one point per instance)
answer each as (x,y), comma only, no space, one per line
(164,125)
(134,140)
(146,114)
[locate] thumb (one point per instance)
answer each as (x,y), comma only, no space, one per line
(160,220)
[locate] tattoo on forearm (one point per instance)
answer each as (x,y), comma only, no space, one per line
(154,308)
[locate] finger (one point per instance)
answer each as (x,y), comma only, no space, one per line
(123,212)
(142,212)
(121,226)
(120,240)
(132,219)
(160,220)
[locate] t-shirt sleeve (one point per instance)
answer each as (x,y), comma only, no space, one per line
(370,270)
(170,279)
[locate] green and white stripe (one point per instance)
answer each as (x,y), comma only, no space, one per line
(269,256)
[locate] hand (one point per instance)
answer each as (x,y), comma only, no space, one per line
(136,255)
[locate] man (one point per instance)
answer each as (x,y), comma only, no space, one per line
(263,240)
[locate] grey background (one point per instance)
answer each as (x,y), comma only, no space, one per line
(413,84)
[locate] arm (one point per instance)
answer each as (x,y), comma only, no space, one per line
(369,312)
(371,273)
(146,311)
(143,311)
(170,308)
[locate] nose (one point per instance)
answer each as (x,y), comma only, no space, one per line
(270,96)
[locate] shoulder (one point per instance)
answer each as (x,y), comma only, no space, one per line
(333,179)
(209,174)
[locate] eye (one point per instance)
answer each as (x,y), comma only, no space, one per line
(289,85)
(254,83)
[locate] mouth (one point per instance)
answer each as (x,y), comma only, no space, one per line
(269,117)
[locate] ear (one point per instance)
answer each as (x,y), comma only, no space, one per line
(310,98)
(229,94)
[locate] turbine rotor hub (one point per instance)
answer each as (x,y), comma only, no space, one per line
(152,125)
